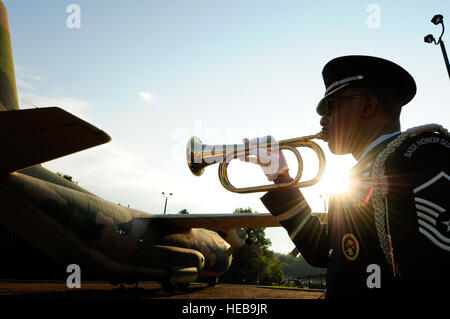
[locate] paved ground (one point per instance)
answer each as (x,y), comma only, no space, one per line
(44,290)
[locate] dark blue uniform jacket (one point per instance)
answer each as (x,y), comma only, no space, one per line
(418,175)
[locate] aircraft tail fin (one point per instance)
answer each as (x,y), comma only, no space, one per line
(8,88)
(33,136)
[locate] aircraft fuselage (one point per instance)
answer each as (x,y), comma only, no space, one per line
(117,243)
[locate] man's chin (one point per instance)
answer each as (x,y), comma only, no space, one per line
(332,147)
(336,149)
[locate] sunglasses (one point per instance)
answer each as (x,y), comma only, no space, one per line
(328,102)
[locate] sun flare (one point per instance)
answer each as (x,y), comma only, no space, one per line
(336,179)
(336,182)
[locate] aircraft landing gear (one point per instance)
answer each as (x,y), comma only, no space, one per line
(212,282)
(183,286)
(167,288)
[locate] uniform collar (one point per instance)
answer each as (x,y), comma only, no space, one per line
(376,142)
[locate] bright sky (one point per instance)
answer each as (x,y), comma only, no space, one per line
(153,73)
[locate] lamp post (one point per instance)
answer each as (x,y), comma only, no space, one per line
(166,196)
(439,19)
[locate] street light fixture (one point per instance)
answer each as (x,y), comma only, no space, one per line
(429,38)
(166,196)
(439,19)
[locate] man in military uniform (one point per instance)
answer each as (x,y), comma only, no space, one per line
(394,224)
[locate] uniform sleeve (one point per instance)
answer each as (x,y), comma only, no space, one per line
(419,189)
(305,230)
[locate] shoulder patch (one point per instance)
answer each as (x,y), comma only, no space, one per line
(350,246)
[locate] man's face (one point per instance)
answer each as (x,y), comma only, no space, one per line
(342,122)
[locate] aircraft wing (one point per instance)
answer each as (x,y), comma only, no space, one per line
(215,222)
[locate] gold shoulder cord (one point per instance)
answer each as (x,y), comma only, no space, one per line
(381,189)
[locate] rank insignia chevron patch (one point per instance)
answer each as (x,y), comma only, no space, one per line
(432,204)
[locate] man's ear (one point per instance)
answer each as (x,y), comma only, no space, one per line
(371,107)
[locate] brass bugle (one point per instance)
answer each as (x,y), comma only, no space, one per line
(199,156)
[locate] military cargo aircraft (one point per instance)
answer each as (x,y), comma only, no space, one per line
(74,226)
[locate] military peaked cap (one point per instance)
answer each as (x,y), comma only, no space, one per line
(367,70)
